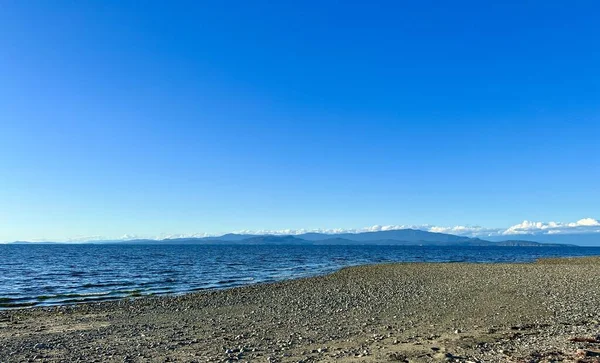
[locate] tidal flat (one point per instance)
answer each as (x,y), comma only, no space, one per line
(404,312)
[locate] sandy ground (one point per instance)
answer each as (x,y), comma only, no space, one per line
(541,312)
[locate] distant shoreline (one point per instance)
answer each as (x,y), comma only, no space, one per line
(395,237)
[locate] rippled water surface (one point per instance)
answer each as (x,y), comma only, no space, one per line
(63,274)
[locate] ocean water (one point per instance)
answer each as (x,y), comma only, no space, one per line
(57,274)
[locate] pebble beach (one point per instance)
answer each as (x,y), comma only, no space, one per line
(548,311)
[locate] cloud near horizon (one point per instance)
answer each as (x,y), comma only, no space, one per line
(589,225)
(584,225)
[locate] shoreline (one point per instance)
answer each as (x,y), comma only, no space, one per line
(415,312)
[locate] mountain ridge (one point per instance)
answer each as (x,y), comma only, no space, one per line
(400,237)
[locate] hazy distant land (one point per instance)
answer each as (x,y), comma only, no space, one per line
(401,237)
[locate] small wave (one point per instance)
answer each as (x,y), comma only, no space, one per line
(17,304)
(107,284)
(164,272)
(132,292)
(61,297)
(89,299)
(223,282)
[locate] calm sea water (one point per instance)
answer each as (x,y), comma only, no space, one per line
(32,275)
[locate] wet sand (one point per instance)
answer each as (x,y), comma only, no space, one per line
(418,312)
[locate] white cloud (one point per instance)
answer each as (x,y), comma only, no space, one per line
(587,222)
(460,230)
(180,235)
(96,238)
(589,225)
(293,232)
(470,231)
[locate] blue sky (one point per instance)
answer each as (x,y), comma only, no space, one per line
(153,118)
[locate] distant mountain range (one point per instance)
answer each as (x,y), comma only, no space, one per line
(580,239)
(401,237)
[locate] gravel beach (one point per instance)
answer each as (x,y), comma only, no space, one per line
(547,311)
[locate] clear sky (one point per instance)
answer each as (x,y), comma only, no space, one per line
(174,117)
